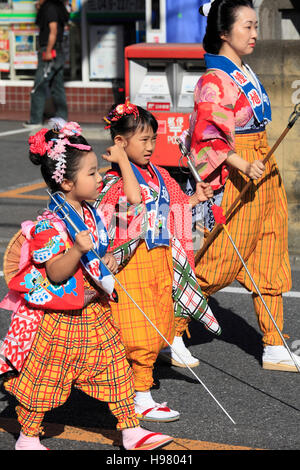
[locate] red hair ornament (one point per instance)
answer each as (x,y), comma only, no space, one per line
(38,144)
(119,111)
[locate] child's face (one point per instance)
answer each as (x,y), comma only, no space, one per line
(87,178)
(141,146)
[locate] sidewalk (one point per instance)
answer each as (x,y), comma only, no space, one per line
(94,131)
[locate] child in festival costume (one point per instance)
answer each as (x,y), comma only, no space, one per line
(159,262)
(63,293)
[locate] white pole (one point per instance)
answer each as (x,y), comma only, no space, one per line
(85,76)
(156,35)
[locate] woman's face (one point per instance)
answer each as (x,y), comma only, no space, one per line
(242,38)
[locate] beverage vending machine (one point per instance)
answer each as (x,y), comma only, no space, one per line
(161,77)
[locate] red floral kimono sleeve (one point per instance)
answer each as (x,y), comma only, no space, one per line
(213,126)
(46,242)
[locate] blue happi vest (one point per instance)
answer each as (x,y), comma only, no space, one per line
(158,208)
(91,262)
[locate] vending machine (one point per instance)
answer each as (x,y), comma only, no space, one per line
(162,79)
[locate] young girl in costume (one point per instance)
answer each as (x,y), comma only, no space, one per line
(159,272)
(229,144)
(63,295)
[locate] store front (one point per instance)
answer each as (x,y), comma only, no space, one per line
(94,42)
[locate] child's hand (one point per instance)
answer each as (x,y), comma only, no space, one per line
(110,262)
(255,170)
(115,154)
(204,191)
(83,242)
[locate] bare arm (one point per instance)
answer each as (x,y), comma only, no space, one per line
(51,40)
(63,266)
(253,170)
(117,154)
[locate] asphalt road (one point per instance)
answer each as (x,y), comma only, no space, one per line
(265,405)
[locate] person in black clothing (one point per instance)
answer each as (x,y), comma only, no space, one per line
(51,18)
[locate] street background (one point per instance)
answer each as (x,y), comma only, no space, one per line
(264,404)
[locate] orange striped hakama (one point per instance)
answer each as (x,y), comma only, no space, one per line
(259,228)
(148,279)
(80,348)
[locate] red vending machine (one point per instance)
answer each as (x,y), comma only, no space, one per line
(162,78)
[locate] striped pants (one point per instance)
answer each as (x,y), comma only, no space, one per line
(259,228)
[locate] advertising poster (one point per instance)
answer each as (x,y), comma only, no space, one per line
(25,50)
(106,52)
(4,50)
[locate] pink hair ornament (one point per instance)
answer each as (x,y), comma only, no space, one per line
(56,147)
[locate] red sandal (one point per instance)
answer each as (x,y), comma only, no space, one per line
(154,445)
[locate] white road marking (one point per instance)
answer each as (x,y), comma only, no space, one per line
(241,290)
(17,131)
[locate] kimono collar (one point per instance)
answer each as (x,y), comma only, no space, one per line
(256,95)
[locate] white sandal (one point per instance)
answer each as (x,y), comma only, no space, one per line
(169,356)
(278,358)
(159,413)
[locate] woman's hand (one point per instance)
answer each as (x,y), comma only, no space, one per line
(110,261)
(255,170)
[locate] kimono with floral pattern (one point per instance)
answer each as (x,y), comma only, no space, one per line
(221,109)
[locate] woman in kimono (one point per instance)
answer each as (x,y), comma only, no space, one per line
(228,143)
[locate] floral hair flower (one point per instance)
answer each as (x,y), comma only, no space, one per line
(38,144)
(121,110)
(56,148)
(70,129)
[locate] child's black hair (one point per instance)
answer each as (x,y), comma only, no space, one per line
(73,156)
(128,124)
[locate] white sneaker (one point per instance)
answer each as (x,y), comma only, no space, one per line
(278,358)
(169,356)
(30,126)
(159,413)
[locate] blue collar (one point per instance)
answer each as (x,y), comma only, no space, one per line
(255,94)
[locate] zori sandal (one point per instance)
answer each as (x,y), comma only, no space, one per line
(141,444)
(160,413)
